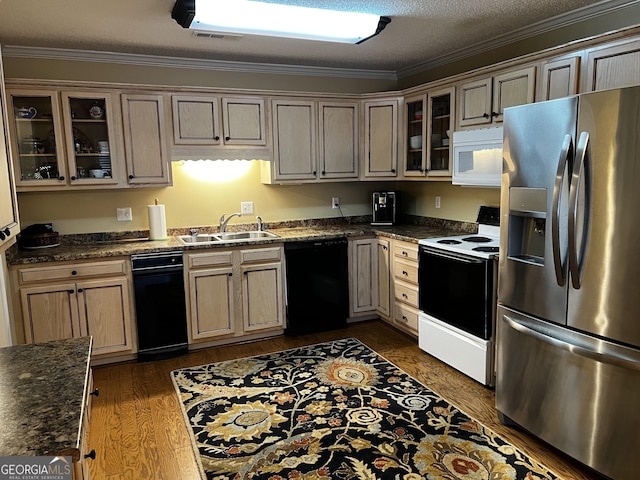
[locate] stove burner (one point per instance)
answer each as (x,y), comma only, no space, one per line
(477,239)
(487,249)
(449,241)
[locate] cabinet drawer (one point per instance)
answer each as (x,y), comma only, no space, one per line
(407,294)
(72,271)
(210,259)
(406,317)
(260,255)
(406,271)
(405,250)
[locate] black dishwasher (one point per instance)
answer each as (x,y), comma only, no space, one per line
(161,313)
(317,285)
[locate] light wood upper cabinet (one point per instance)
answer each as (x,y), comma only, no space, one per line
(558,78)
(9,223)
(613,66)
(145,139)
(483,101)
(214,120)
(381,143)
(66,139)
(294,139)
(338,139)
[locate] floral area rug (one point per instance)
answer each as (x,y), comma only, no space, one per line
(335,410)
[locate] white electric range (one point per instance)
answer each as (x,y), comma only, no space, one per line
(458,296)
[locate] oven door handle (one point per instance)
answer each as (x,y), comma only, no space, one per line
(452,256)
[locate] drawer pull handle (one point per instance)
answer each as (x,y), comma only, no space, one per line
(95,393)
(404,318)
(404,253)
(404,295)
(91,454)
(404,273)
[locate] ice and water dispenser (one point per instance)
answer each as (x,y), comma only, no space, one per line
(527,224)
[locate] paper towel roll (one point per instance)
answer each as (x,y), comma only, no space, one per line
(157,222)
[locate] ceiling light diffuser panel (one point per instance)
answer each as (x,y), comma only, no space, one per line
(249,17)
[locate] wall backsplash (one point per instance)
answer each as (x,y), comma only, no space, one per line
(193,202)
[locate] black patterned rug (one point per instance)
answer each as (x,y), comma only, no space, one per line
(335,410)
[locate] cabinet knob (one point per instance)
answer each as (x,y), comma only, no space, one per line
(73,177)
(130,177)
(227,139)
(314,172)
(6,231)
(95,393)
(324,172)
(91,454)
(61,178)
(2,236)
(216,138)
(80,290)
(70,292)
(74,272)
(494,114)
(230,274)
(393,170)
(485,115)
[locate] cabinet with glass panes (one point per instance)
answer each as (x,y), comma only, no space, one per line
(415,130)
(439,158)
(63,139)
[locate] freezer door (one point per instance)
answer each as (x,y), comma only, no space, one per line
(578,393)
(605,197)
(538,148)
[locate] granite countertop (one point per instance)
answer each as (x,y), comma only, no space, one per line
(102,245)
(42,387)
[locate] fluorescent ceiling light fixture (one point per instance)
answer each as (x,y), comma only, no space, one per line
(271,19)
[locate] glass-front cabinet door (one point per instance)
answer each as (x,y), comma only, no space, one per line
(415,160)
(89,135)
(62,139)
(37,139)
(439,157)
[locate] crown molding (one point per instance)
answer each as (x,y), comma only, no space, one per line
(538,28)
(191,63)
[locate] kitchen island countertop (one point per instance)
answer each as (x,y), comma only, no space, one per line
(42,389)
(125,247)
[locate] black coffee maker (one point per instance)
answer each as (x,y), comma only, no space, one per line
(385,207)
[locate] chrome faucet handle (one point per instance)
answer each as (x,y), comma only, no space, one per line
(259,218)
(193,231)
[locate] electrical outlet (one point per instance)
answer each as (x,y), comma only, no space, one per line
(124,214)
(246,208)
(335,202)
(438,201)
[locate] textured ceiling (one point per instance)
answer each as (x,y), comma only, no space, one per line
(420,30)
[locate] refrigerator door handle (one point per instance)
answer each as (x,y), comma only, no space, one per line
(611,357)
(565,153)
(579,171)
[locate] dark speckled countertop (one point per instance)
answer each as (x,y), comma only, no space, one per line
(92,246)
(42,388)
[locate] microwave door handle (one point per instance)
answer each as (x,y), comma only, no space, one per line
(580,171)
(565,153)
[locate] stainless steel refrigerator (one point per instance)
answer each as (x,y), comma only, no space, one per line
(568,320)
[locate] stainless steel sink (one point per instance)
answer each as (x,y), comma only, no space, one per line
(197,239)
(226,236)
(211,238)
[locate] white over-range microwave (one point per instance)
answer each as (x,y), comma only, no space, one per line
(477,157)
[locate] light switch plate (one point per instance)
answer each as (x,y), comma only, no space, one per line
(123,214)
(246,208)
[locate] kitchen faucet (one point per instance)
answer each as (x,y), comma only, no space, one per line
(223,221)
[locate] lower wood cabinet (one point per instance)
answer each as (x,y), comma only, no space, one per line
(369,277)
(65,300)
(405,286)
(235,293)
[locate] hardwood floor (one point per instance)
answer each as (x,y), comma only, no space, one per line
(138,431)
